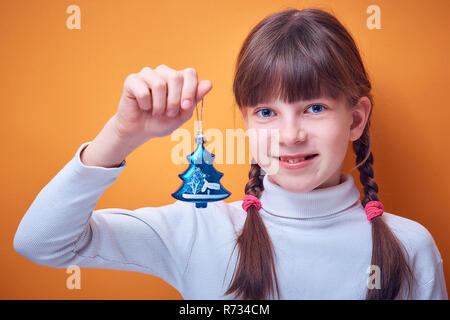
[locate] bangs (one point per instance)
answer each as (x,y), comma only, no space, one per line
(291,82)
(295,66)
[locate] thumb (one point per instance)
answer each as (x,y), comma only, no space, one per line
(203,88)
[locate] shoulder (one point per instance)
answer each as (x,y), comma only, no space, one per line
(232,212)
(420,245)
(183,212)
(412,233)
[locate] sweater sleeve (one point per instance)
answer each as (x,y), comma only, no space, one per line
(61,227)
(427,264)
(435,289)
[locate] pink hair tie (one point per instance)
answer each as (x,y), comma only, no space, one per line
(250,200)
(373,209)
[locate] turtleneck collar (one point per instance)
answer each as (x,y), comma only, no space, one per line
(316,203)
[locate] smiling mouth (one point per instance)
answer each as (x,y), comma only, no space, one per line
(299,159)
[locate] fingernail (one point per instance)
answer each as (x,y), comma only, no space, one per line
(186,103)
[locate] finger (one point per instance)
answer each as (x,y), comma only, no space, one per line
(174,80)
(204,87)
(158,89)
(189,92)
(139,91)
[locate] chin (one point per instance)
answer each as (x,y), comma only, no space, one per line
(292,184)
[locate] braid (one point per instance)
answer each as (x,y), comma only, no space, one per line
(365,159)
(254,185)
(255,269)
(387,251)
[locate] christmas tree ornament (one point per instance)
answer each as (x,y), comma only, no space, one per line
(201,180)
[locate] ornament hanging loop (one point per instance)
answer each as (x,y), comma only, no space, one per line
(199,136)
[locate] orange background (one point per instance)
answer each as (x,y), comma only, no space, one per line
(60,86)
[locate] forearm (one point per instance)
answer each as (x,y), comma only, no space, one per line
(107,149)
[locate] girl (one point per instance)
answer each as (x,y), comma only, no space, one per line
(301,231)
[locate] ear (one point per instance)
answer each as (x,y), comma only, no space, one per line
(360,116)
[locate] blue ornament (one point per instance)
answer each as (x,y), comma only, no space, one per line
(201,180)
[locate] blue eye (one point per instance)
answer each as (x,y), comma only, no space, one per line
(265,113)
(257,112)
(316,105)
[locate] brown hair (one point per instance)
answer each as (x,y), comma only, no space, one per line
(301,55)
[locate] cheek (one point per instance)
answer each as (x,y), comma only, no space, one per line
(263,142)
(333,140)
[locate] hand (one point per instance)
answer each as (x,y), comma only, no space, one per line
(152,102)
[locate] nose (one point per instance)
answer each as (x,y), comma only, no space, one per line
(292,134)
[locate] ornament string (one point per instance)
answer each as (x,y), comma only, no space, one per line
(199,129)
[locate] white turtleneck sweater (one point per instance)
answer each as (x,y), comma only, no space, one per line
(322,238)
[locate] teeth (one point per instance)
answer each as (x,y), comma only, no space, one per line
(295,160)
(292,161)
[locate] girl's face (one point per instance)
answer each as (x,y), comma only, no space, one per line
(323,126)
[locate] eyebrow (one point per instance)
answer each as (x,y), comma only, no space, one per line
(326,101)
